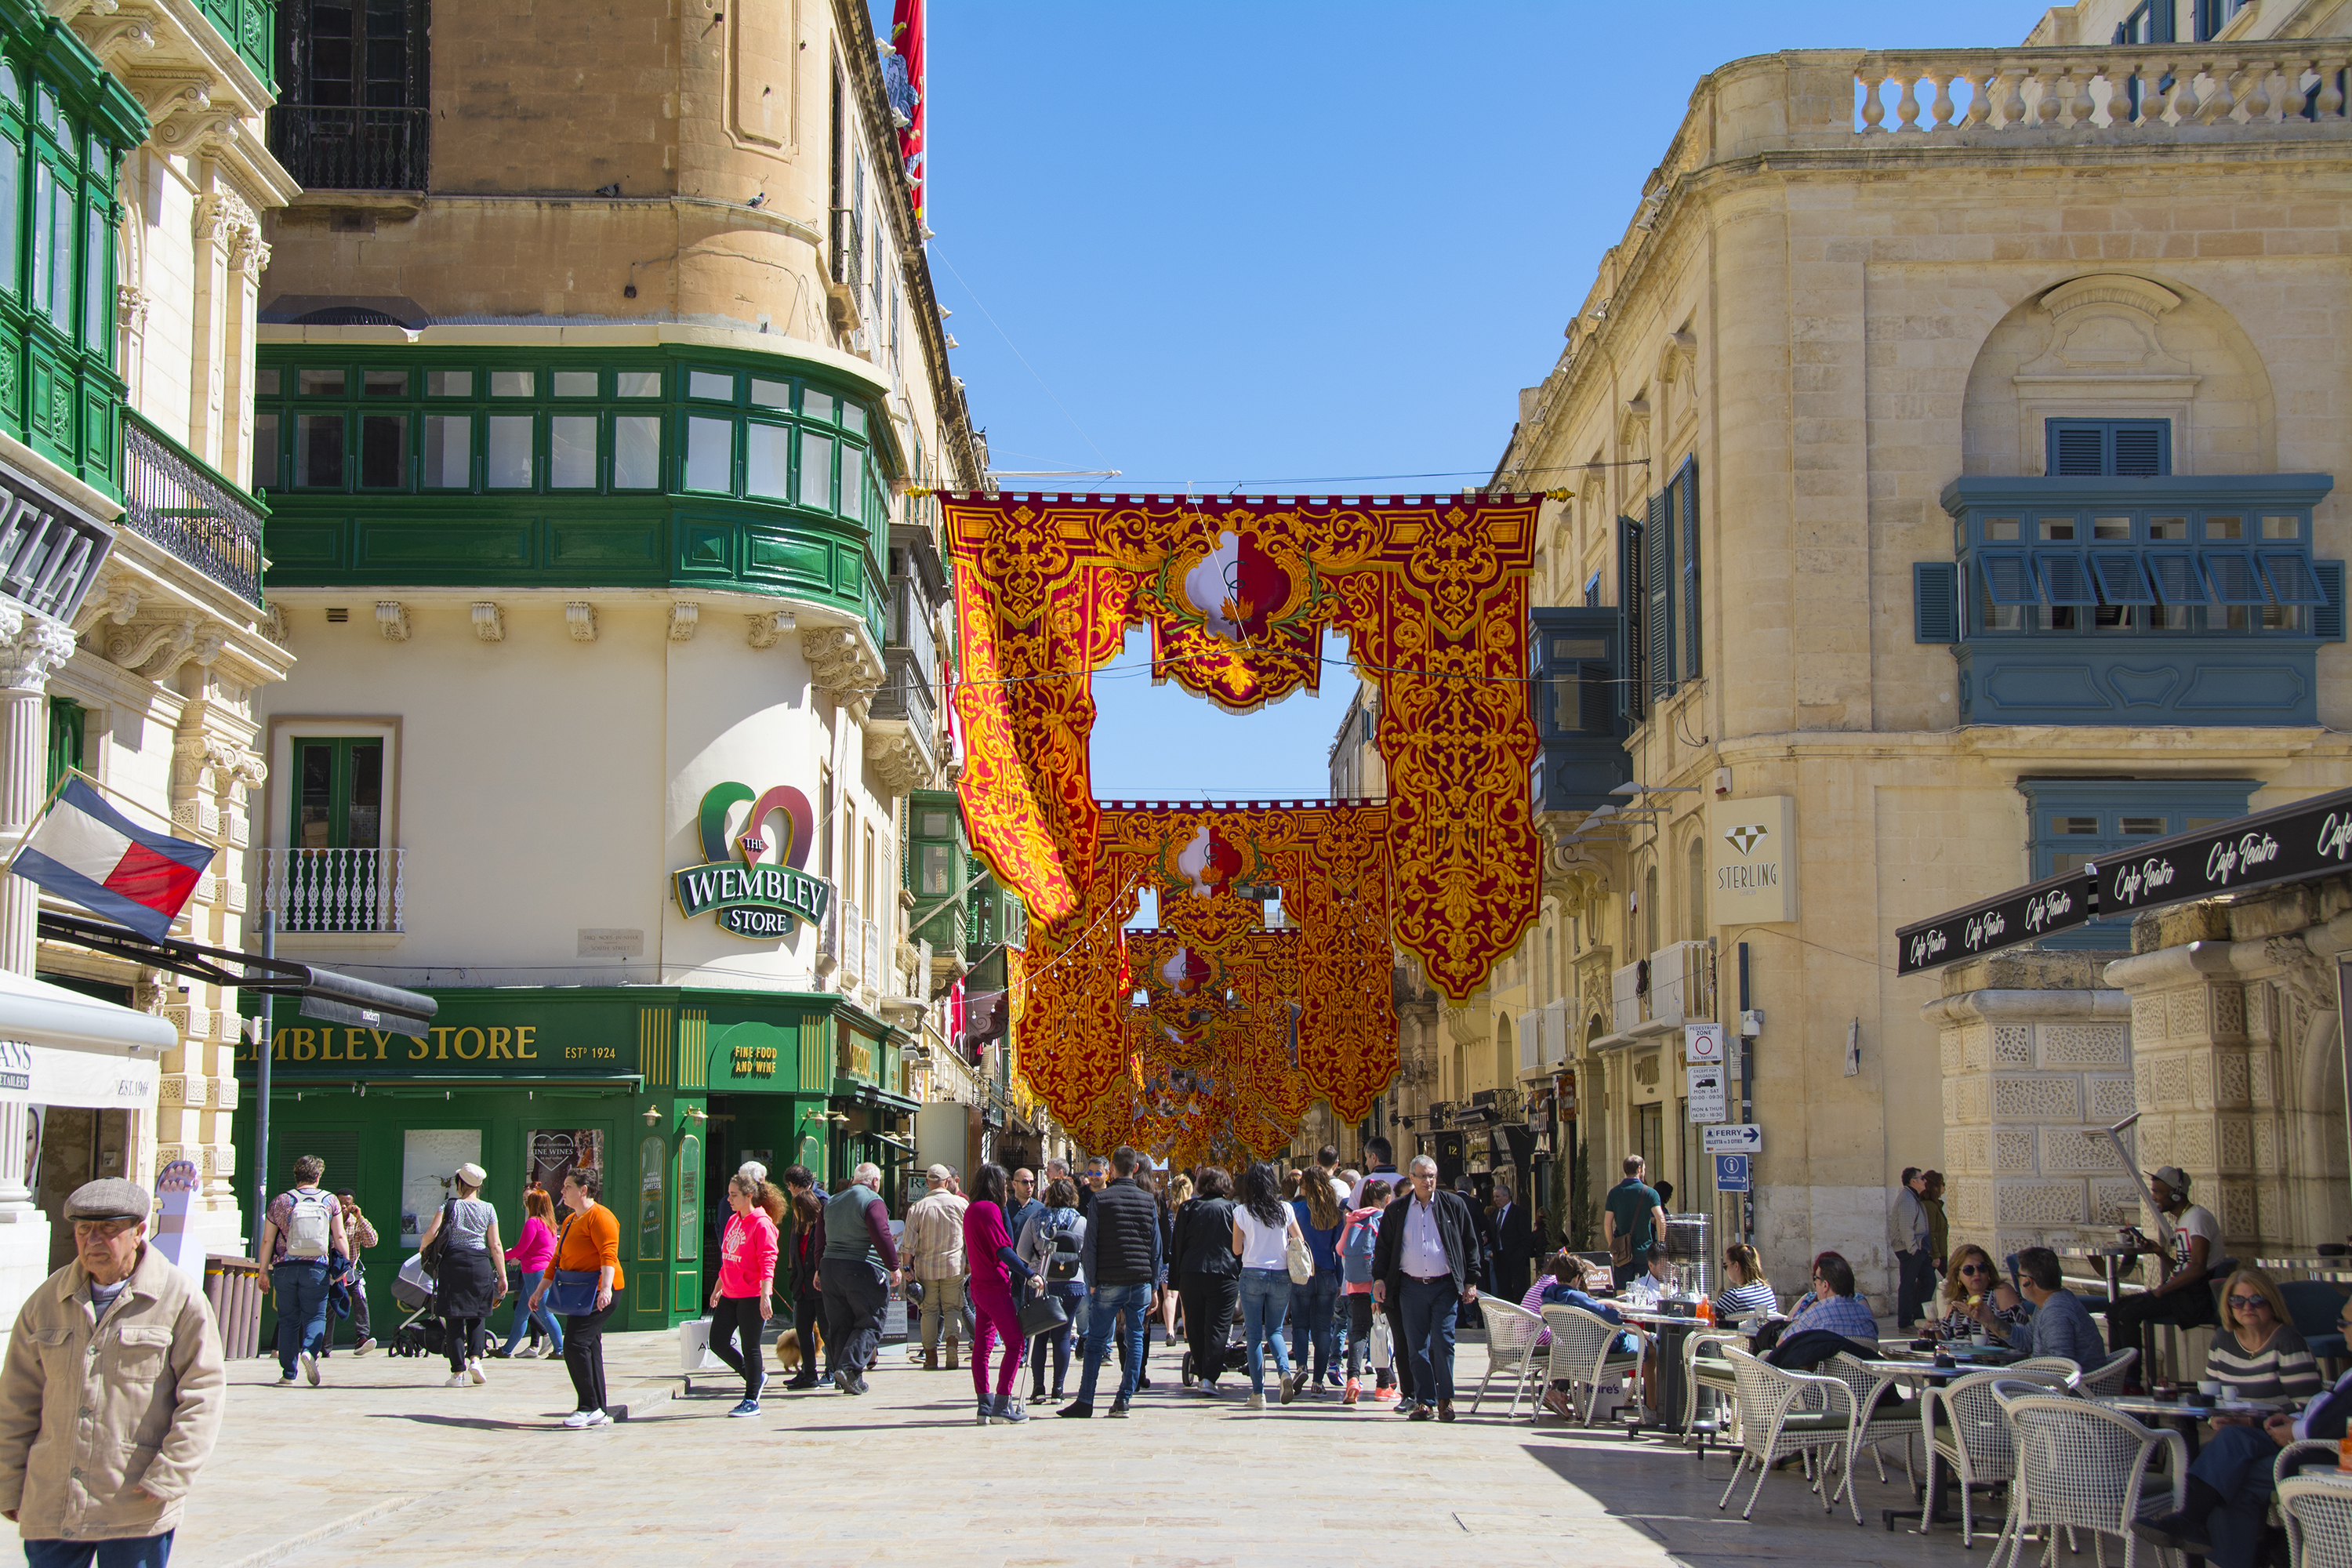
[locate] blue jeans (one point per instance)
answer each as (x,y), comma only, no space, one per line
(301,1291)
(1266,1297)
(129,1551)
(1108,1305)
(2236,1462)
(1430,1307)
(1314,1307)
(523,1315)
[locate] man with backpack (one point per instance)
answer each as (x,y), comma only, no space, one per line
(304,1241)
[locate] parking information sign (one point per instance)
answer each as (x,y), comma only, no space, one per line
(1731,1173)
(1706,1097)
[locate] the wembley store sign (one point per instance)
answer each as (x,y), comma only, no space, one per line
(2309,838)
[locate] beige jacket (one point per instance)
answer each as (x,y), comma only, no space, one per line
(103,1426)
(932,1246)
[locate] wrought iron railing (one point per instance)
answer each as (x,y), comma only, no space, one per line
(345,890)
(343,149)
(176,501)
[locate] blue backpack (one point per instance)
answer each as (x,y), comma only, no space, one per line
(1356,1250)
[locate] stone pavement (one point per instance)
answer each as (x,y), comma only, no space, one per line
(385,1463)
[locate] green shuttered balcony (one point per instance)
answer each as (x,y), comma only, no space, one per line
(499,466)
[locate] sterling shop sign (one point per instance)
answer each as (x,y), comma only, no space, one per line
(2309,838)
(756,897)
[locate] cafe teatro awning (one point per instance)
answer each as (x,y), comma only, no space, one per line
(2289,844)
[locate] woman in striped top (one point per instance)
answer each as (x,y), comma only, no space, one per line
(1747,1292)
(2259,1355)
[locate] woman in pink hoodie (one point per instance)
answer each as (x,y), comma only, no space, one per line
(747,1268)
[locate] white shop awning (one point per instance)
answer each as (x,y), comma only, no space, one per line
(60,1047)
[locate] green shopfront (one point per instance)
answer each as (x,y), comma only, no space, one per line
(666,1090)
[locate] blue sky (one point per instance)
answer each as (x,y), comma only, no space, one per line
(1291,246)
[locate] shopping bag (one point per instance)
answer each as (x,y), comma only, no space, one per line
(1383,1356)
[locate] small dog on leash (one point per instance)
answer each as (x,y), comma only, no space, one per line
(788,1351)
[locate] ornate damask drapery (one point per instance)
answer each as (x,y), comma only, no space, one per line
(1431,595)
(1234,1041)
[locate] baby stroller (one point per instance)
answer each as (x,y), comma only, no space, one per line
(420,1332)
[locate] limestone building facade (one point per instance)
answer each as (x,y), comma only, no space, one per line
(138,170)
(1953,441)
(601,393)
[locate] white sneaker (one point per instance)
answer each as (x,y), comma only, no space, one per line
(284,1383)
(474,1370)
(457,1380)
(599,1418)
(528,1352)
(579,1418)
(1257,1401)
(310,1367)
(364,1346)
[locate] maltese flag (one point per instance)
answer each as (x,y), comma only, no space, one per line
(86,851)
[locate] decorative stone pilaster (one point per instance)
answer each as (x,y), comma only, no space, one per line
(2193,1066)
(2036,1057)
(31,647)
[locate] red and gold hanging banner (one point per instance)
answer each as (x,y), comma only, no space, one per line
(1431,593)
(1271,1018)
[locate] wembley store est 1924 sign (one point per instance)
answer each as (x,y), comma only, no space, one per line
(2310,839)
(753,877)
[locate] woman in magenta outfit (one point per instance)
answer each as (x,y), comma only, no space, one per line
(997,1280)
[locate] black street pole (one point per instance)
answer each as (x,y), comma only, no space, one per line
(263,1050)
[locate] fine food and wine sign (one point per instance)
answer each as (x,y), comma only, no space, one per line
(2309,838)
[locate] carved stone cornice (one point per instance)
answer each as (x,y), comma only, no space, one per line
(115,599)
(844,665)
(896,755)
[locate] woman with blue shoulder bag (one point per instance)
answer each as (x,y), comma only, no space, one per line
(579,1286)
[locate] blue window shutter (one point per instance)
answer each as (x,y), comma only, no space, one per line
(2143,448)
(1630,608)
(1935,601)
(1657,579)
(1688,486)
(2125,448)
(2288,572)
(2123,577)
(2076,446)
(2063,580)
(2234,579)
(2327,620)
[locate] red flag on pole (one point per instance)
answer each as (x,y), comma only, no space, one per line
(902,74)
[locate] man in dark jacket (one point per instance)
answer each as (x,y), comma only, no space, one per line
(1514,1243)
(1122,1262)
(1428,1260)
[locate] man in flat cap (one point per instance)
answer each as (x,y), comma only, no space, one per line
(111,1395)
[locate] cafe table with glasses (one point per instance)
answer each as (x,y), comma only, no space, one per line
(1913,1368)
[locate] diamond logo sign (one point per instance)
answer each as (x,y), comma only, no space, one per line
(1752,861)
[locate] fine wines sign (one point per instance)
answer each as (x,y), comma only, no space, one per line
(2309,838)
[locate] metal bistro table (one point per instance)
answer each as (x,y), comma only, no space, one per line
(2111,1261)
(1920,1377)
(2183,1416)
(1670,1329)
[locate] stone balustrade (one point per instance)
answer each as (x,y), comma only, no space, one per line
(2128,90)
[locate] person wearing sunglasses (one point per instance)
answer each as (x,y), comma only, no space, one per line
(2258,1354)
(2230,1481)
(1977,1298)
